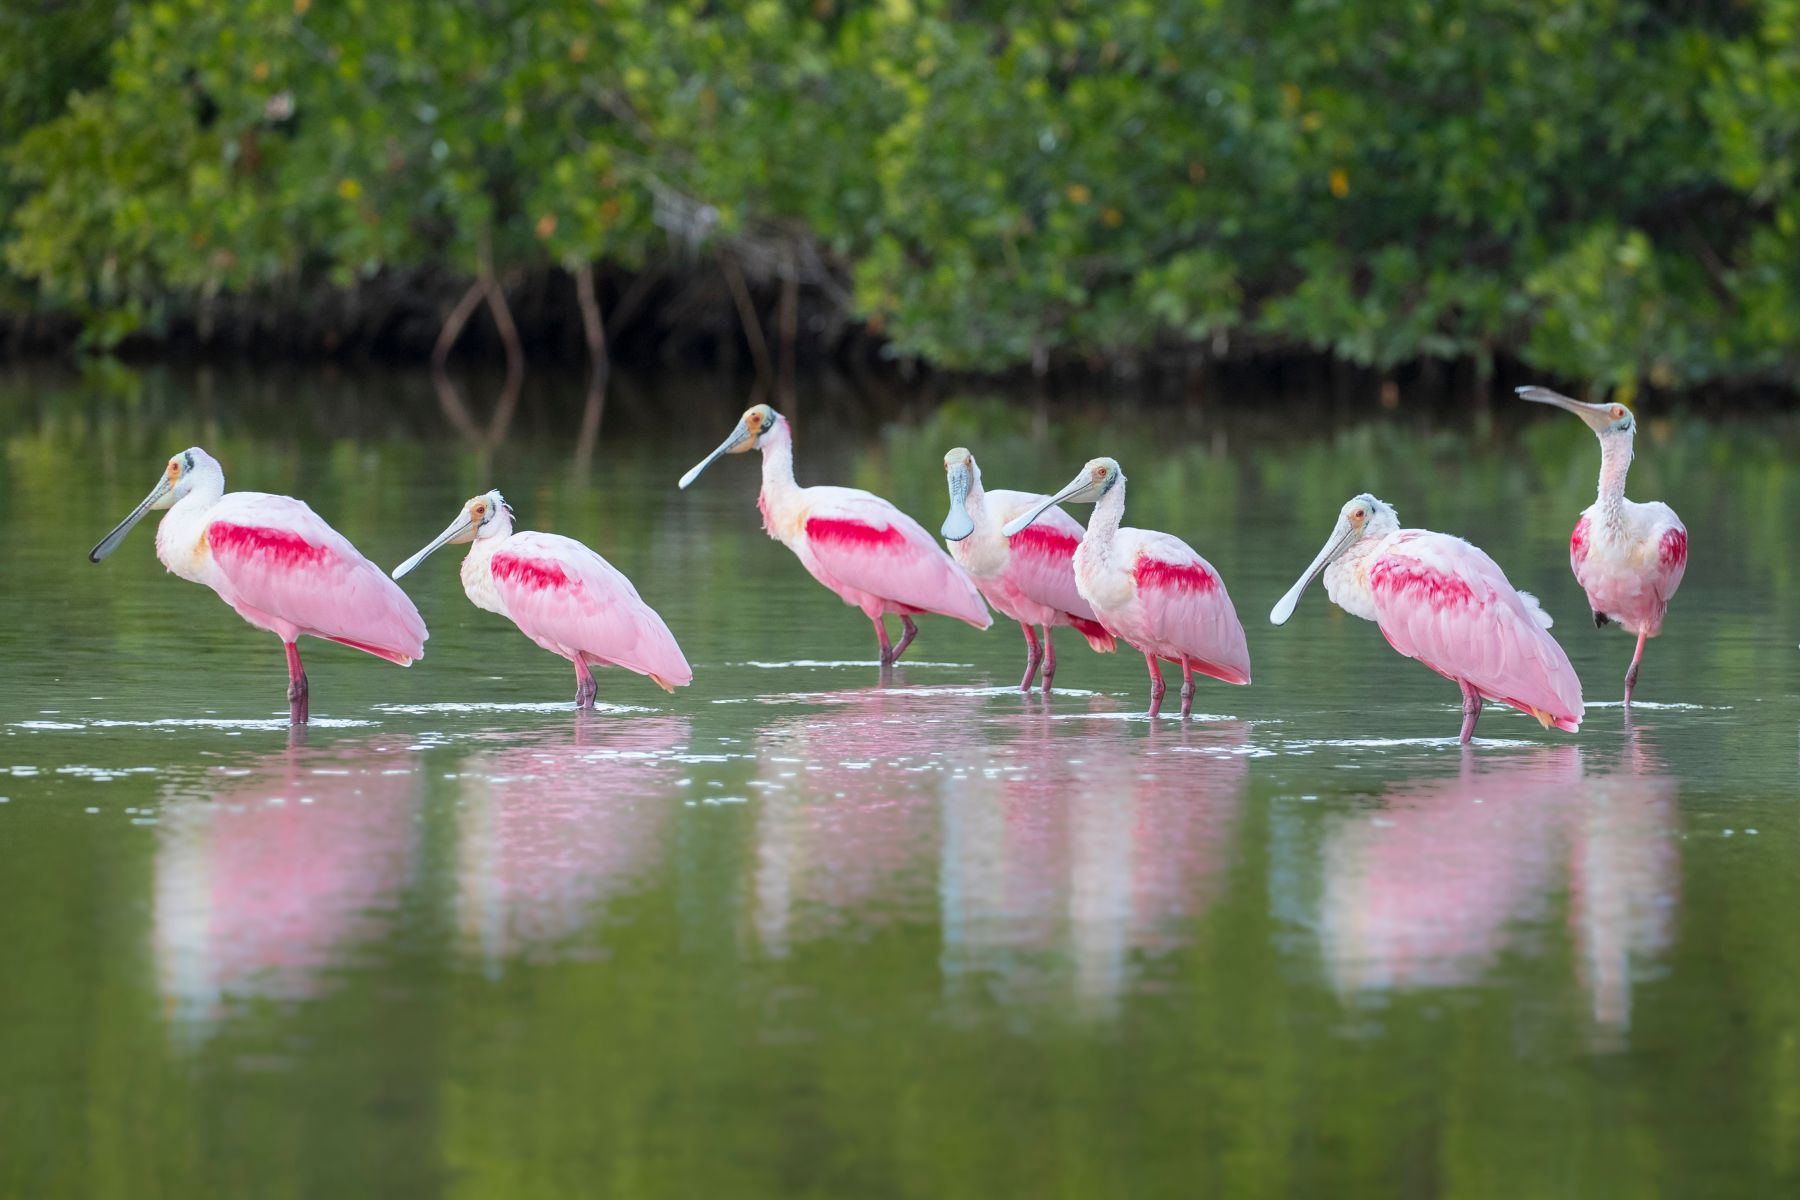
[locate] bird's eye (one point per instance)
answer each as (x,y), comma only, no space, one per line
(1617,413)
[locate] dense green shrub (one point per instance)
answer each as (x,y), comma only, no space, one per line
(1604,188)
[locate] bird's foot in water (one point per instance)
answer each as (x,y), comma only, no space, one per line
(299,706)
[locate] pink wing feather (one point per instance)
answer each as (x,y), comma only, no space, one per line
(1671,558)
(278,559)
(572,602)
(1446,603)
(1042,559)
(1041,562)
(1185,601)
(863,544)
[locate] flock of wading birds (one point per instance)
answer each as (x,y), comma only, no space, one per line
(1436,597)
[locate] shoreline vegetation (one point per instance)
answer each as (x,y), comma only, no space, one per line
(1371,198)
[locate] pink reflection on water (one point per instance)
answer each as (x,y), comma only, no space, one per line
(1422,891)
(1429,888)
(1625,880)
(267,874)
(551,829)
(846,824)
(1082,849)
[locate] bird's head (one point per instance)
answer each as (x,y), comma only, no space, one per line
(486,515)
(757,426)
(1607,420)
(1362,516)
(962,476)
(192,468)
(1100,476)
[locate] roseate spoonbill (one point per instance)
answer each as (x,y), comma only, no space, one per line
(1628,557)
(1029,577)
(278,563)
(1152,589)
(561,595)
(871,554)
(1442,601)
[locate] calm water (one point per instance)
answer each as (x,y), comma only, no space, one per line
(794,932)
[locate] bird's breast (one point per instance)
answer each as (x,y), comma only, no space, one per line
(1347,584)
(1099,584)
(982,557)
(478,584)
(182,547)
(783,518)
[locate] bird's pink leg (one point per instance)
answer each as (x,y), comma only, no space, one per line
(1631,675)
(887,650)
(912,631)
(585,687)
(299,708)
(1471,711)
(1156,684)
(1049,659)
(1187,689)
(1033,656)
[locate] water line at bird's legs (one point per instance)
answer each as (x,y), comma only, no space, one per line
(586,687)
(1033,656)
(1471,711)
(1632,673)
(299,706)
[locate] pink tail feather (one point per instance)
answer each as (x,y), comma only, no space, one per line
(1095,633)
(394,656)
(1217,671)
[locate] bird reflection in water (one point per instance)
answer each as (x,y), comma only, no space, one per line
(1428,890)
(267,875)
(1424,890)
(1078,854)
(846,826)
(553,826)
(1625,881)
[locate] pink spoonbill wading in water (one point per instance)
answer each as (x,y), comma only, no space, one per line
(1628,557)
(871,554)
(1029,577)
(561,595)
(1152,589)
(1442,601)
(278,564)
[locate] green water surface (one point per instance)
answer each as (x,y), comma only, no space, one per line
(801,931)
